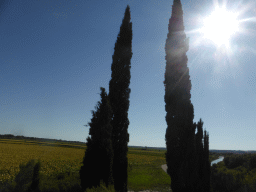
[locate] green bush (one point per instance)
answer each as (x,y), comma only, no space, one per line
(7,186)
(34,187)
(27,180)
(24,177)
(102,188)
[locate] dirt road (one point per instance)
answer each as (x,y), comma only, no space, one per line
(164,167)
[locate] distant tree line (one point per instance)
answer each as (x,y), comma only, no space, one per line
(233,161)
(236,173)
(7,136)
(21,137)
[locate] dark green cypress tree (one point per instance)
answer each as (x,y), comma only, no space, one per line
(119,93)
(202,162)
(207,163)
(180,132)
(200,155)
(98,159)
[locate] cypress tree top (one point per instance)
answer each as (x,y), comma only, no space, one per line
(176,20)
(177,79)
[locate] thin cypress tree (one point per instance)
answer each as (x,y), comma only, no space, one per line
(180,132)
(202,162)
(98,159)
(119,93)
(200,155)
(207,164)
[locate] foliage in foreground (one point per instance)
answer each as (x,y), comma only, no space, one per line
(27,180)
(102,188)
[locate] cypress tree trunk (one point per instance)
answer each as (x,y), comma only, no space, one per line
(98,159)
(119,93)
(180,133)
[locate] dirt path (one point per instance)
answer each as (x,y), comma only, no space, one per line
(164,167)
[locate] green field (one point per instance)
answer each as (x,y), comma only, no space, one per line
(145,170)
(61,162)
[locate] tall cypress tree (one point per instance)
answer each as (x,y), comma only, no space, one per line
(119,93)
(98,159)
(207,164)
(200,155)
(180,132)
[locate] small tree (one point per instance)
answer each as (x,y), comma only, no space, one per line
(28,172)
(98,159)
(34,187)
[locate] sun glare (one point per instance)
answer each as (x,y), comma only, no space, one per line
(223,26)
(220,26)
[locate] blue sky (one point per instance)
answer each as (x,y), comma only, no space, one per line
(56,54)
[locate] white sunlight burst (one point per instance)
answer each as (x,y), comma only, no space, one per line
(220,26)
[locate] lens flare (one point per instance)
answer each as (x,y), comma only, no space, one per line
(220,26)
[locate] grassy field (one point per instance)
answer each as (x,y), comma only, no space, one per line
(60,165)
(145,172)
(61,162)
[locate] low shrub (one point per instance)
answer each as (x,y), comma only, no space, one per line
(102,188)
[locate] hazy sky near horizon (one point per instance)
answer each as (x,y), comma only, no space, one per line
(56,54)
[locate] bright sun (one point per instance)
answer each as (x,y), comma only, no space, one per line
(220,26)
